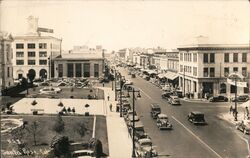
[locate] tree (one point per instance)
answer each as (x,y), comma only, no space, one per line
(33,129)
(80,128)
(60,145)
(59,124)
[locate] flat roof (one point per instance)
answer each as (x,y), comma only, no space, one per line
(214,46)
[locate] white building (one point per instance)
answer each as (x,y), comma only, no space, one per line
(204,68)
(33,53)
(6,77)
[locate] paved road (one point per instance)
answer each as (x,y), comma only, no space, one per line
(217,139)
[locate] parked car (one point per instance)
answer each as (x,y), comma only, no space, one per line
(144,148)
(128,82)
(163,122)
(50,90)
(174,100)
(82,154)
(244,126)
(129,113)
(62,84)
(241,98)
(166,88)
(155,110)
(166,95)
(219,98)
(44,84)
(130,120)
(196,117)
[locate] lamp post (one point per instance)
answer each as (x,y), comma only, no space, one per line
(184,85)
(49,67)
(133,134)
(234,79)
(115,86)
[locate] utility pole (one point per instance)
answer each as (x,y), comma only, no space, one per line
(235,115)
(184,82)
(120,96)
(133,154)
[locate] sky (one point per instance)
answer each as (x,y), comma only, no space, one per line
(117,24)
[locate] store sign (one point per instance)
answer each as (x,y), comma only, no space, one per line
(239,84)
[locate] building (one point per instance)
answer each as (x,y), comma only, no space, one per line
(204,68)
(6,77)
(77,64)
(33,53)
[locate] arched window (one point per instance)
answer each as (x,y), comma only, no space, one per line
(223,88)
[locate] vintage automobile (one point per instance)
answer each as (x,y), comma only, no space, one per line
(82,154)
(196,117)
(163,122)
(130,120)
(129,113)
(144,148)
(166,95)
(50,90)
(155,110)
(219,98)
(241,98)
(244,126)
(174,100)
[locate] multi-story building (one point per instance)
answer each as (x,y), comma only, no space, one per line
(6,78)
(33,53)
(77,64)
(204,68)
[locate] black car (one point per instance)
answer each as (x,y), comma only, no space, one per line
(166,95)
(241,98)
(219,98)
(155,110)
(196,117)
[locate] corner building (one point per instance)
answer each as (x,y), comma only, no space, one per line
(204,68)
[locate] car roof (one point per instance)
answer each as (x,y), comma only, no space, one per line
(197,113)
(144,140)
(139,124)
(80,151)
(162,115)
(155,105)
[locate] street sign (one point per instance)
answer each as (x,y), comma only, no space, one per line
(40,29)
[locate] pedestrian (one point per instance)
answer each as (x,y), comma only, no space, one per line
(103,84)
(108,97)
(110,106)
(247,112)
(231,109)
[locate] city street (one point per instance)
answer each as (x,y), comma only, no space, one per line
(217,139)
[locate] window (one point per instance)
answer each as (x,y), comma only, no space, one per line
(195,57)
(78,70)
(211,57)
(244,71)
(31,62)
(205,72)
(86,69)
(96,70)
(181,56)
(31,45)
(42,54)
(19,54)
(31,54)
(60,70)
(226,57)
(195,86)
(223,88)
(244,57)
(19,46)
(42,62)
(226,71)
(19,62)
(235,57)
(195,71)
(70,70)
(42,45)
(181,68)
(205,58)
(212,74)
(8,71)
(235,69)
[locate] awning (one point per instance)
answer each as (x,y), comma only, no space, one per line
(171,75)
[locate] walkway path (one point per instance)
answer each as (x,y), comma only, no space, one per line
(120,143)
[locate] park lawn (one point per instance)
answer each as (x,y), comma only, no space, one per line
(77,93)
(102,133)
(45,132)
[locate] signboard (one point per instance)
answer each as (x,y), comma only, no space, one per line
(239,84)
(40,29)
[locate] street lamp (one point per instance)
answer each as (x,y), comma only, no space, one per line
(234,79)
(133,99)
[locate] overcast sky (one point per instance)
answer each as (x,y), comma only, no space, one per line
(120,24)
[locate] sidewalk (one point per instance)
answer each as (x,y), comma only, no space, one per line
(120,143)
(196,100)
(230,118)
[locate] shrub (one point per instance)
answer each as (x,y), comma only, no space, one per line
(60,145)
(59,124)
(80,128)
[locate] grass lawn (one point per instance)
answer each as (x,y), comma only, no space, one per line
(78,93)
(45,132)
